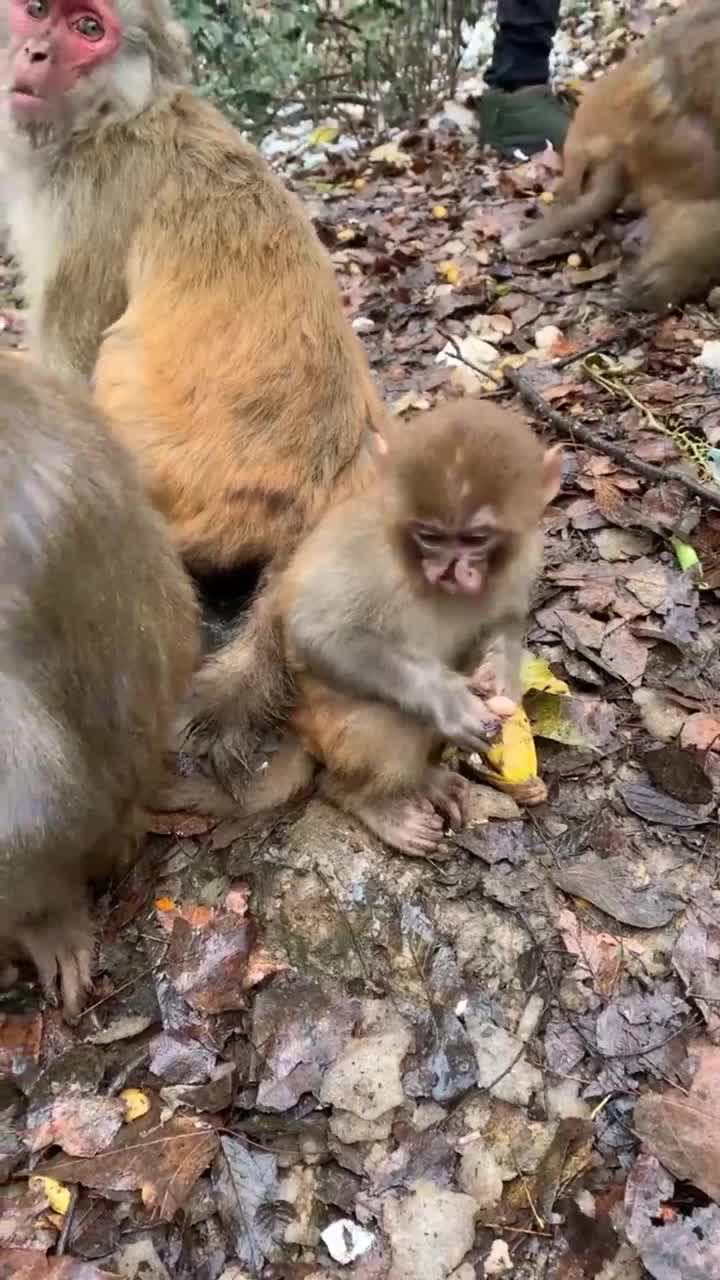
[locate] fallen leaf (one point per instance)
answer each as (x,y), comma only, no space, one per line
(678,773)
(208,964)
(701,731)
(683,1129)
(576,722)
(601,953)
(622,544)
(652,805)
(179,824)
(624,654)
(609,884)
(389,153)
(82,1125)
(322,135)
(163,1162)
(695,958)
(687,556)
(535,675)
(245,1185)
(672,1246)
(20,1039)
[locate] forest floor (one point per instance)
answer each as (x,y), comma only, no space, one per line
(308,1058)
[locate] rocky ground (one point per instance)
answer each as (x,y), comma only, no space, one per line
(308,1058)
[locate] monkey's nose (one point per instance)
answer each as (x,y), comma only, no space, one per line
(36,53)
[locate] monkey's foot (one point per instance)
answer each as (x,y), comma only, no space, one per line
(62,953)
(408,825)
(226,748)
(449,792)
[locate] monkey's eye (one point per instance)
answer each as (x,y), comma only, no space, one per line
(429,537)
(36,9)
(477,538)
(89,26)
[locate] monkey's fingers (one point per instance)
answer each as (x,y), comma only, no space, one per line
(62,954)
(502,706)
(75,965)
(449,792)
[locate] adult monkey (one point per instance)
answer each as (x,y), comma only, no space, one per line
(164,261)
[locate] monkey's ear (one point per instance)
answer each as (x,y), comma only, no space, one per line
(552,472)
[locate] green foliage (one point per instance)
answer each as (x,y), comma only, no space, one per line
(395,58)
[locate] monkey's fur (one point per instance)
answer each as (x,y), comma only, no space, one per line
(382,645)
(98,634)
(649,131)
(164,261)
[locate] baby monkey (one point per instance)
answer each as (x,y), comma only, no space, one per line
(98,637)
(388,606)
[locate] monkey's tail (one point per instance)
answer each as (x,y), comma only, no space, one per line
(604,194)
(239,696)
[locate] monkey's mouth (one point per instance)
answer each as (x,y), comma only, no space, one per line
(26,104)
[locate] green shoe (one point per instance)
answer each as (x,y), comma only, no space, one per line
(524,120)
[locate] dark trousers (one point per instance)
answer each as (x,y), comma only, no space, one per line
(525,32)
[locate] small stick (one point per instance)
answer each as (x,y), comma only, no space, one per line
(565,425)
(67,1222)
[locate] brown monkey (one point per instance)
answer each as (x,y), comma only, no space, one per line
(649,130)
(387,605)
(98,634)
(164,261)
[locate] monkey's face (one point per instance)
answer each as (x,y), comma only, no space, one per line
(459,560)
(60,53)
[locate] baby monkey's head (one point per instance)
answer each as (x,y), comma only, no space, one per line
(464,486)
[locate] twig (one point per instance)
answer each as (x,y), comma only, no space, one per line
(540,1222)
(67,1223)
(565,425)
(522,1231)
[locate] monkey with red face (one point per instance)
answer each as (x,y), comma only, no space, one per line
(387,607)
(164,262)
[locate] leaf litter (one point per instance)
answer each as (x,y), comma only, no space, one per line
(307,1057)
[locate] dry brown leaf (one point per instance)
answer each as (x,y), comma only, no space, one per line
(179,824)
(601,953)
(161,1161)
(20,1040)
(81,1125)
(625,654)
(683,1130)
(701,731)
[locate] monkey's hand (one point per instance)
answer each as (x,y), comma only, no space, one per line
(463,718)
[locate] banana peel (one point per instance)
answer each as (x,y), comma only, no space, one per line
(513,759)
